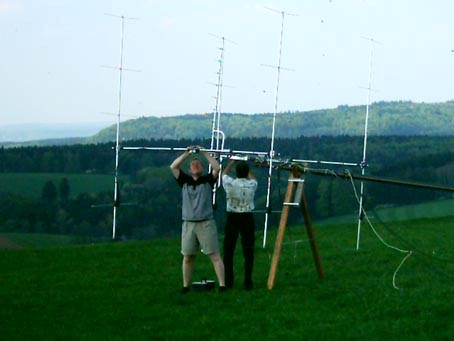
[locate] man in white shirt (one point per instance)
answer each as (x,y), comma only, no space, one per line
(240,193)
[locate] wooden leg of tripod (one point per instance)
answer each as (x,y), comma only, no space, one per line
(311,236)
(280,235)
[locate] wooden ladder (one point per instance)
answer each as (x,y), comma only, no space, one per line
(297,199)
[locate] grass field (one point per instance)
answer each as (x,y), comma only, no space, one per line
(131,290)
(31,184)
(31,240)
(432,209)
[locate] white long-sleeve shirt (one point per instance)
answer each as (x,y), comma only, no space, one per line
(240,193)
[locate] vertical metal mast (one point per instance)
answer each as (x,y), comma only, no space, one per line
(117,139)
(366,128)
(272,153)
(120,68)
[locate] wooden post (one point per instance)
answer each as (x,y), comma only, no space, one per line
(311,235)
(280,234)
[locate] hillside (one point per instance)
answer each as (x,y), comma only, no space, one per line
(386,118)
(11,134)
(64,141)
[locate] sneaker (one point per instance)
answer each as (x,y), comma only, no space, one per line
(185,290)
(222,288)
(248,286)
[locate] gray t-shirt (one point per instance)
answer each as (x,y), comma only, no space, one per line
(197,196)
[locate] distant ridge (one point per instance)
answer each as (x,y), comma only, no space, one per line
(386,118)
(25,132)
(398,118)
(67,141)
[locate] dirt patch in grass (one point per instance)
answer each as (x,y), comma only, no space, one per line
(5,243)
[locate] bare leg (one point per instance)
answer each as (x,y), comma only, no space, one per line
(218,267)
(188,265)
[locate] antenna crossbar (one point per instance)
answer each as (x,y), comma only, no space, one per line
(120,68)
(120,16)
(334,163)
(223,39)
(280,12)
(197,150)
(277,67)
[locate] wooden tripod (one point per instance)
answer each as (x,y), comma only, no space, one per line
(294,200)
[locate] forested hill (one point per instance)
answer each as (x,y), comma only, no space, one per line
(386,118)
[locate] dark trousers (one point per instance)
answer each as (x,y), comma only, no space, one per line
(239,224)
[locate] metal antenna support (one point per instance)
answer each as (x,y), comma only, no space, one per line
(276,101)
(120,68)
(217,135)
(366,128)
(215,131)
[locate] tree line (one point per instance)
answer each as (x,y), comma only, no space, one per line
(150,198)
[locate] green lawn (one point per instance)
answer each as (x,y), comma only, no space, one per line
(432,209)
(31,184)
(131,290)
(29,240)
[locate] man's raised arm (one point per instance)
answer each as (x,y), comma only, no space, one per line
(215,168)
(229,167)
(176,164)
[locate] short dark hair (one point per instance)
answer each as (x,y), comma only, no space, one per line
(242,170)
(195,159)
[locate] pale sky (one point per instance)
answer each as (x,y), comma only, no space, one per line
(52,52)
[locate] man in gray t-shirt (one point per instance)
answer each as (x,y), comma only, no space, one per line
(199,228)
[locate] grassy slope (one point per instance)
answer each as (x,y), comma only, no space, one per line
(130,290)
(432,209)
(31,184)
(387,118)
(29,240)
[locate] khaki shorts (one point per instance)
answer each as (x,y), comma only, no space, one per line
(196,235)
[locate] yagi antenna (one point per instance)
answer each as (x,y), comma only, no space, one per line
(278,67)
(120,69)
(216,126)
(217,135)
(363,163)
